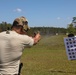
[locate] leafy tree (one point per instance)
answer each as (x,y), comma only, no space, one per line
(74,19)
(74,22)
(4,26)
(71,29)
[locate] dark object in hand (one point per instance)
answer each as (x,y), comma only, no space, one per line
(36,33)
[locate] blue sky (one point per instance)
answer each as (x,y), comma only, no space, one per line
(50,13)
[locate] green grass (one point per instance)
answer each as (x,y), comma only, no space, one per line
(48,57)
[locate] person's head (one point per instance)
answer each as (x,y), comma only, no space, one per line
(20,25)
(70,35)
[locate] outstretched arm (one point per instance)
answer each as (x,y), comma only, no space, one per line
(36,38)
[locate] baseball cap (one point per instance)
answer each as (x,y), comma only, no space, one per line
(22,21)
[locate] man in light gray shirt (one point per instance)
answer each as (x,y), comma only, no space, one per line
(12,45)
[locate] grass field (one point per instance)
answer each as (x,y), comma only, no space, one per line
(48,57)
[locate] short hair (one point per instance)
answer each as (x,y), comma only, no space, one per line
(71,35)
(15,24)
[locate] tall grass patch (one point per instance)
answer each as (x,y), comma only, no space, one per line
(48,57)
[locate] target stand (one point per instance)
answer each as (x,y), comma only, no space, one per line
(70,45)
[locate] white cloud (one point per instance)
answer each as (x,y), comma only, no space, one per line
(58,18)
(69,22)
(18,10)
(68,18)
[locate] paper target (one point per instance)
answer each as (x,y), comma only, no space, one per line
(70,45)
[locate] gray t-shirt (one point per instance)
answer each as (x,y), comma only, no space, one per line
(11,47)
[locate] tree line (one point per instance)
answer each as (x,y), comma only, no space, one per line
(71,28)
(43,30)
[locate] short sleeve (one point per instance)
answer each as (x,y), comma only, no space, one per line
(27,41)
